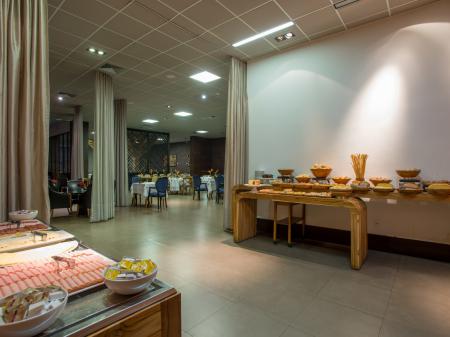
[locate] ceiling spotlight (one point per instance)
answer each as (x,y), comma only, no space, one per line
(92,50)
(150,121)
(182,114)
(201,131)
(60,98)
(204,96)
(265,33)
(92,132)
(100,52)
(205,77)
(169,107)
(284,37)
(343,3)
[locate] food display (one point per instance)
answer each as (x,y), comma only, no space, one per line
(341,190)
(30,302)
(359,165)
(23,214)
(130,275)
(341,180)
(254,182)
(360,186)
(439,189)
(408,173)
(321,170)
(303,178)
(379,180)
(410,187)
(384,188)
(26,240)
(72,271)
(9,228)
(320,187)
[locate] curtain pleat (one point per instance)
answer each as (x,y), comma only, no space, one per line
(236,135)
(103,172)
(120,125)
(77,158)
(24,107)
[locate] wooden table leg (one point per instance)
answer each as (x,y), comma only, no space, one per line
(244,219)
(290,226)
(275,208)
(358,229)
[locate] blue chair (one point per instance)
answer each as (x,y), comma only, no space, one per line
(220,187)
(198,186)
(160,192)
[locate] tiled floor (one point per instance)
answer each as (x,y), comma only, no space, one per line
(261,290)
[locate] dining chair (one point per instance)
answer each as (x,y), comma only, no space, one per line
(198,186)
(220,186)
(160,192)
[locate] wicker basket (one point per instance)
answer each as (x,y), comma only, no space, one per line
(410,191)
(376,181)
(408,173)
(286,172)
(343,181)
(321,172)
(302,179)
(320,187)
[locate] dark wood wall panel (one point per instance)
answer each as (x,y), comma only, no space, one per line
(207,154)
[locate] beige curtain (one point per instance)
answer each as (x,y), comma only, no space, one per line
(120,125)
(236,141)
(77,159)
(103,173)
(24,107)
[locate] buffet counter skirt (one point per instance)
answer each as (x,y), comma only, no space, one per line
(245,211)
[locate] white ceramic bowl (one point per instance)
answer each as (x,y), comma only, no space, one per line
(130,287)
(23,215)
(34,325)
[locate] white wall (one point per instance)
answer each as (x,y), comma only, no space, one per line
(381,89)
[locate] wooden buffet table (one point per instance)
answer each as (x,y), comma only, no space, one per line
(245,212)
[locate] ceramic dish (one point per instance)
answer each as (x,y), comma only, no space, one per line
(23,215)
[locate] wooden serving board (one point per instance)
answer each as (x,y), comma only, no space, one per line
(26,240)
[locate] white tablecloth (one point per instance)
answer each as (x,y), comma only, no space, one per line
(142,188)
(210,183)
(175,183)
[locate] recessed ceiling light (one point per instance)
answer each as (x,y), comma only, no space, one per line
(182,114)
(169,107)
(60,98)
(204,96)
(92,50)
(201,131)
(150,121)
(101,52)
(205,77)
(265,33)
(343,3)
(284,37)
(92,132)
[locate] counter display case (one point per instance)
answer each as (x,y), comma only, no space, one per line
(34,255)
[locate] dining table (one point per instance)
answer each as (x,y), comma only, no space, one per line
(140,190)
(210,183)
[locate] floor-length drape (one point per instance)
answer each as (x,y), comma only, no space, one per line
(120,126)
(103,173)
(24,107)
(236,135)
(77,158)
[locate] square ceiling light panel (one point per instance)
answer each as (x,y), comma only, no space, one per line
(205,77)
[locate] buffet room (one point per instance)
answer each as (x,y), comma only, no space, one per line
(224,168)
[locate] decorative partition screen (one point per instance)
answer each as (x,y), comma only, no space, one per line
(59,157)
(147,151)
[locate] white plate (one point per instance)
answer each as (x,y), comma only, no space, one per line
(18,216)
(34,325)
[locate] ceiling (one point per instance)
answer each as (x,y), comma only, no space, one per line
(160,43)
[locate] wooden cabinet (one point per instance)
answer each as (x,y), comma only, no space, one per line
(162,319)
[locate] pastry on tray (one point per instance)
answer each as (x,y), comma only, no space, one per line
(410,188)
(303,178)
(341,190)
(360,186)
(384,188)
(439,188)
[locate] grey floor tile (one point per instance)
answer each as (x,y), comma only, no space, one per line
(327,319)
